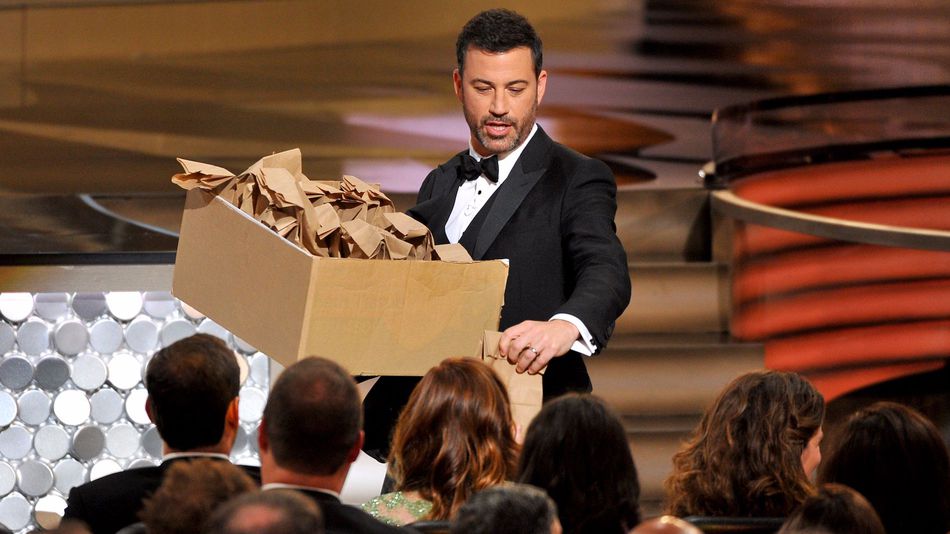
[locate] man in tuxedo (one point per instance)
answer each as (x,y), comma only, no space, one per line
(518,195)
(193,387)
(310,435)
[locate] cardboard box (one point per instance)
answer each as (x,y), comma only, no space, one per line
(385,317)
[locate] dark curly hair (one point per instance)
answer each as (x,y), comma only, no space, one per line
(745,457)
(498,30)
(897,459)
(576,449)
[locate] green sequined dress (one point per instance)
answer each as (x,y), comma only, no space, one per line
(397,509)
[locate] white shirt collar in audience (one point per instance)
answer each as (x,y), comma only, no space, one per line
(176,455)
(278,485)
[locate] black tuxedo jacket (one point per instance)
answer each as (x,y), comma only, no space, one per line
(553,218)
(109,503)
(339,518)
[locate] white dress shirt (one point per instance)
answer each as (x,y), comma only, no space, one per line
(474,194)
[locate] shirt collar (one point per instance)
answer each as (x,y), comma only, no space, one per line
(508,162)
(280,485)
(177,455)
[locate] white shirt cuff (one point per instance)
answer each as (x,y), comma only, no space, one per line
(585,343)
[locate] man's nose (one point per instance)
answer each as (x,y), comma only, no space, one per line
(499,104)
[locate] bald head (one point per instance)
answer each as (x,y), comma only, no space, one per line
(665,525)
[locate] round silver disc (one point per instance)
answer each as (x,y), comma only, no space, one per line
(106,406)
(103,468)
(15,512)
(260,369)
(105,336)
(16,306)
(71,407)
(124,371)
(34,407)
(69,473)
(176,329)
(7,338)
(8,408)
(70,337)
(16,372)
(135,407)
(124,305)
(142,335)
(208,326)
(252,403)
(88,442)
(89,372)
(51,373)
(48,511)
(51,306)
(34,478)
(89,306)
(243,346)
(159,304)
(33,337)
(7,478)
(152,442)
(141,462)
(51,442)
(191,313)
(122,440)
(15,442)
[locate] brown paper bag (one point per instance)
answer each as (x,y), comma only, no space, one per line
(524,390)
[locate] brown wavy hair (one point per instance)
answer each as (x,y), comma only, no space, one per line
(745,457)
(455,436)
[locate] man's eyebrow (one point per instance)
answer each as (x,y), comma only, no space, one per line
(487,82)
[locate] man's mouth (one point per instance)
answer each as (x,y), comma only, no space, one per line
(497,128)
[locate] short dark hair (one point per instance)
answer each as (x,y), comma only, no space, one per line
(508,509)
(313,416)
(834,508)
(190,385)
(284,512)
(597,489)
(897,459)
(498,30)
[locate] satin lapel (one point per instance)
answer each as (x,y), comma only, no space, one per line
(525,174)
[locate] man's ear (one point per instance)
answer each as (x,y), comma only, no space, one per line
(542,84)
(149,410)
(357,447)
(233,415)
(457,82)
(262,444)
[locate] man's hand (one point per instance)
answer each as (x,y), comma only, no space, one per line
(531,344)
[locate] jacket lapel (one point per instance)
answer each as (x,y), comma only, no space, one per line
(530,167)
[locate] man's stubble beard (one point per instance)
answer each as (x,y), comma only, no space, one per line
(521,129)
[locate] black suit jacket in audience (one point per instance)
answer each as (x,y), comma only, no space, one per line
(340,518)
(109,503)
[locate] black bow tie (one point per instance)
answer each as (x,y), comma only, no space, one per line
(472,169)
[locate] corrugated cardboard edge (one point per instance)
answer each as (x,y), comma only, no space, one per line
(251,299)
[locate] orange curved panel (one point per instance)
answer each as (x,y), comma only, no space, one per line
(861,345)
(842,307)
(837,383)
(878,178)
(832,266)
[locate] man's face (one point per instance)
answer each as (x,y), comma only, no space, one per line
(500,95)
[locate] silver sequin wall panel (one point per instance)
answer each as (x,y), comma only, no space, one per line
(72,402)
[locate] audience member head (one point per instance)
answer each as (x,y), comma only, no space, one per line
(834,509)
(753,452)
(267,512)
(896,458)
(193,387)
(190,492)
(666,524)
(311,425)
(498,31)
(508,509)
(577,450)
(455,436)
